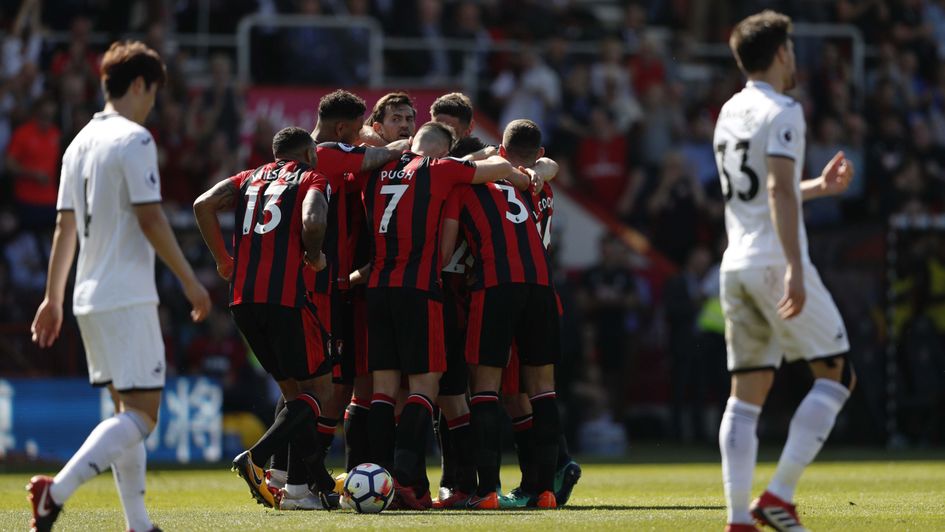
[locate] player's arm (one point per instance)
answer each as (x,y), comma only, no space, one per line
(48,320)
(376,157)
(370,137)
(495,168)
(785,215)
(314,223)
(449,233)
(482,154)
(220,197)
(834,180)
(158,231)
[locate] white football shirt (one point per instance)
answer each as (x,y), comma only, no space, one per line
(110,167)
(756,123)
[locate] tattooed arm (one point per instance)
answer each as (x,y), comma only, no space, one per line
(221,196)
(376,157)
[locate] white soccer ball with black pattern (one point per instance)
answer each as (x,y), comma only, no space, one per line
(369,489)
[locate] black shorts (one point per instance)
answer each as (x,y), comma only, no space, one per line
(525,313)
(406,332)
(455,320)
(349,311)
(290,343)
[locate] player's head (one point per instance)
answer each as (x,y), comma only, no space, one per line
(433,140)
(340,117)
(466,145)
(521,143)
(296,144)
(394,117)
(134,72)
(762,45)
(455,110)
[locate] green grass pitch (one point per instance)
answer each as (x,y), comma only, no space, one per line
(858,495)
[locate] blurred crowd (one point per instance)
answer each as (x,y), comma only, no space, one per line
(631,124)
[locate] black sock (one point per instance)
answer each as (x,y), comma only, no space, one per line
(301,445)
(484,420)
(463,450)
(443,440)
(326,432)
(546,429)
(280,459)
(382,429)
(564,456)
(410,452)
(525,448)
(305,408)
(357,446)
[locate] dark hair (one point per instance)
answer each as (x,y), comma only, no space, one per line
(443,130)
(455,104)
(341,105)
(522,138)
(124,62)
(392,99)
(755,41)
(290,141)
(466,145)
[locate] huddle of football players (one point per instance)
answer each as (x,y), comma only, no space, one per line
(398,276)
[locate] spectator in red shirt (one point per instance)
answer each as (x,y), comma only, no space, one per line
(602,166)
(33,160)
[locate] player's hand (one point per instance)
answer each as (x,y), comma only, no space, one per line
(199,299)
(47,323)
(794,295)
(225,268)
(837,175)
(535,181)
(318,264)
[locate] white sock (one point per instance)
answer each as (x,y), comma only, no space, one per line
(129,470)
(738,441)
(107,441)
(278,478)
(297,491)
(810,427)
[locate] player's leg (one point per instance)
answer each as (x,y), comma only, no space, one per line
(120,360)
(539,343)
(420,341)
(279,465)
(546,422)
(129,469)
(818,329)
(485,421)
(455,431)
(752,359)
(357,442)
(519,410)
(356,414)
(385,369)
(493,314)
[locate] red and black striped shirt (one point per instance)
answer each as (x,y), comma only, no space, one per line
(404,202)
(543,208)
(267,238)
(337,161)
(501,230)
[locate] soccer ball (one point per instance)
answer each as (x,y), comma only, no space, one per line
(369,489)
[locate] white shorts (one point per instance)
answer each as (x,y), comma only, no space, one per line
(124,347)
(757,338)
